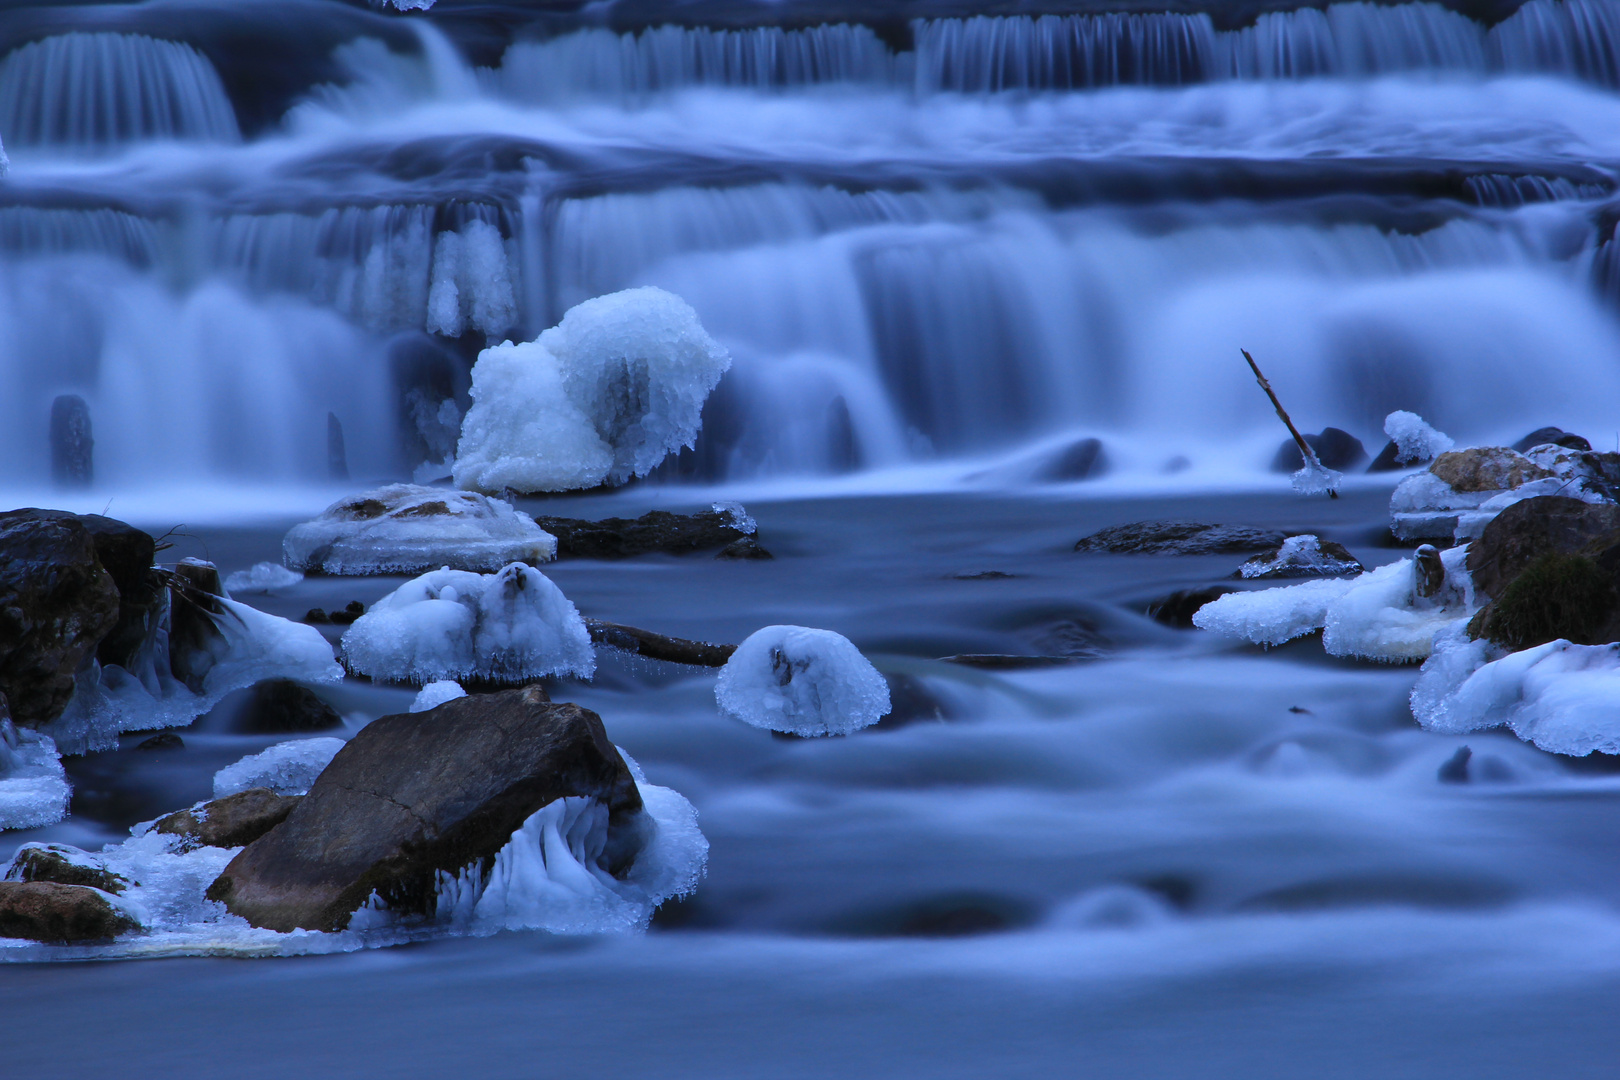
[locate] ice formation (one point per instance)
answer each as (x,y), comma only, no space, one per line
(472,275)
(265,577)
(1425,506)
(287,768)
(407,529)
(1299,556)
(435,694)
(1376,616)
(1414,439)
(1317,479)
(603,396)
(803,681)
(33,789)
(452,624)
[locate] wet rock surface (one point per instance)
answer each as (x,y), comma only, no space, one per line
(1486,468)
(1523,532)
(1335,449)
(278,706)
(656,530)
(1303,556)
(1552,436)
(53,913)
(65,866)
(1180,538)
(1179,607)
(232,821)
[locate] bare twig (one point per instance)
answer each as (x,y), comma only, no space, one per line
(1305,449)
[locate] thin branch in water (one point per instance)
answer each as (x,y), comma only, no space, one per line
(1307,453)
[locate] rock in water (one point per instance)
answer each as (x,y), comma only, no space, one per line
(63,865)
(1179,607)
(1486,468)
(1081,460)
(418,794)
(656,530)
(1179,538)
(1335,449)
(1303,556)
(72,448)
(57,602)
(232,821)
(46,911)
(278,706)
(1527,530)
(195,641)
(1554,437)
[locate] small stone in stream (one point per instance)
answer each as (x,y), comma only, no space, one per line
(63,865)
(317,615)
(232,821)
(1385,460)
(1431,572)
(1299,709)
(1335,449)
(1455,768)
(1082,460)
(351,611)
(910,701)
(1179,607)
(195,641)
(1180,538)
(746,548)
(163,740)
(983,575)
(1531,528)
(52,913)
(1303,556)
(656,530)
(279,706)
(1552,436)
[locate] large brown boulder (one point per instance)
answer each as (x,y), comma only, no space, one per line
(420,793)
(57,602)
(232,821)
(1530,529)
(1486,468)
(49,912)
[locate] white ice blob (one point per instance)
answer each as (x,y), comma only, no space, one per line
(803,681)
(1415,441)
(265,577)
(33,789)
(435,694)
(287,768)
(1317,479)
(452,624)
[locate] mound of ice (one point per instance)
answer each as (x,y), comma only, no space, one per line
(1562,697)
(287,768)
(472,274)
(1317,479)
(1272,616)
(803,681)
(1302,556)
(510,626)
(435,694)
(407,529)
(604,395)
(1414,439)
(265,577)
(33,789)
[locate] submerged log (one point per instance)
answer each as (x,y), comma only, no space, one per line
(658,646)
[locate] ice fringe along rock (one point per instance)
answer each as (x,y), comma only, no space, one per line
(603,396)
(265,577)
(1376,616)
(33,789)
(435,694)
(407,529)
(1414,439)
(802,681)
(472,274)
(287,768)
(1302,556)
(507,627)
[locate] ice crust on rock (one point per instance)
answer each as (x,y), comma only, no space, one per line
(1301,556)
(1316,479)
(452,624)
(435,694)
(803,681)
(1272,616)
(603,396)
(33,789)
(1414,439)
(287,768)
(408,529)
(265,577)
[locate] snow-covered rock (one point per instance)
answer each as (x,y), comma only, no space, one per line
(1415,441)
(33,789)
(603,396)
(804,681)
(265,577)
(1464,490)
(1303,556)
(435,694)
(451,624)
(407,529)
(287,768)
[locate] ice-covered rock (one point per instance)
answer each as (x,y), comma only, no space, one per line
(1316,479)
(510,626)
(1415,441)
(264,577)
(603,396)
(1464,490)
(47,911)
(230,821)
(435,694)
(408,529)
(33,789)
(1303,556)
(804,681)
(287,768)
(64,865)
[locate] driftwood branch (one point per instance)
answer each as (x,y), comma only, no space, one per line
(658,646)
(1307,453)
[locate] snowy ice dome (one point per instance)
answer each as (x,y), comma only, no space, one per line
(287,768)
(451,624)
(435,694)
(265,577)
(1415,441)
(1317,479)
(803,681)
(408,529)
(603,396)
(1302,556)
(33,789)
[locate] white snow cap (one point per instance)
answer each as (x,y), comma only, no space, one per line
(33,789)
(408,529)
(265,577)
(451,624)
(287,768)
(435,694)
(803,681)
(1415,441)
(604,395)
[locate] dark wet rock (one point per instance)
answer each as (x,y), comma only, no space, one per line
(1385,461)
(746,548)
(1303,556)
(910,702)
(317,615)
(417,794)
(278,706)
(653,646)
(1551,436)
(1523,532)
(72,447)
(57,602)
(1335,448)
(52,913)
(351,611)
(1180,538)
(163,740)
(1486,468)
(983,575)
(232,821)
(65,866)
(1082,460)
(1179,607)
(1556,596)
(195,641)
(656,530)
(1455,769)
(1009,661)
(1430,570)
